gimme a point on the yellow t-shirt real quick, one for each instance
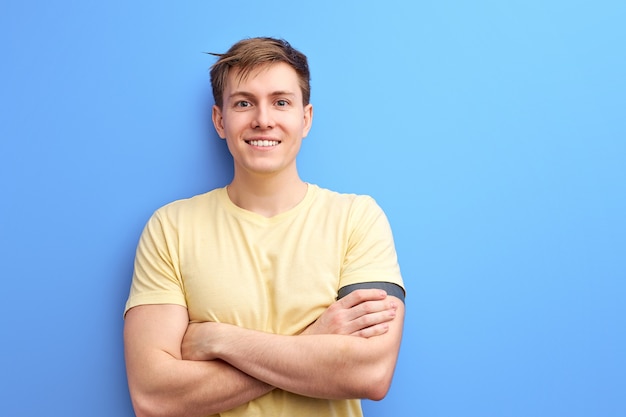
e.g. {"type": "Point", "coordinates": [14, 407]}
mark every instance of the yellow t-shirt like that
{"type": "Point", "coordinates": [277, 275]}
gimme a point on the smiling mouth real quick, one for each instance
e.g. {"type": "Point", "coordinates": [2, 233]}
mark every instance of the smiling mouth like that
{"type": "Point", "coordinates": [263, 143]}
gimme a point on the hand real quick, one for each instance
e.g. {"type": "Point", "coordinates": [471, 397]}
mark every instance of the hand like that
{"type": "Point", "coordinates": [364, 313]}
{"type": "Point", "coordinates": [196, 345]}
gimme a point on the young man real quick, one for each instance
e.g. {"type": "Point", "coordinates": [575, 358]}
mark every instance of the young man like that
{"type": "Point", "coordinates": [271, 296]}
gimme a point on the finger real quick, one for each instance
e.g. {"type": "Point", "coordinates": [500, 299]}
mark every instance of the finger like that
{"type": "Point", "coordinates": [368, 320]}
{"type": "Point", "coordinates": [372, 331]}
{"type": "Point", "coordinates": [363, 295]}
{"type": "Point", "coordinates": [370, 307]}
{"type": "Point", "coordinates": [373, 319]}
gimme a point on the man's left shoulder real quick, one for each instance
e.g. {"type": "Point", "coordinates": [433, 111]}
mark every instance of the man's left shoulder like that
{"type": "Point", "coordinates": [343, 198]}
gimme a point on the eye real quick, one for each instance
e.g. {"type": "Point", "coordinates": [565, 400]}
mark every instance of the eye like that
{"type": "Point", "coordinates": [282, 103]}
{"type": "Point", "coordinates": [242, 104]}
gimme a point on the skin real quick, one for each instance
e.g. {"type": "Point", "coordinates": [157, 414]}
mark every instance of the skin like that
{"type": "Point", "coordinates": [323, 365]}
{"type": "Point", "coordinates": [350, 351]}
{"type": "Point", "coordinates": [267, 105]}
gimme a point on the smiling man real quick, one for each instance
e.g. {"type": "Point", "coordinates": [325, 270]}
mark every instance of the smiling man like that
{"type": "Point", "coordinates": [270, 296]}
{"type": "Point", "coordinates": [264, 119]}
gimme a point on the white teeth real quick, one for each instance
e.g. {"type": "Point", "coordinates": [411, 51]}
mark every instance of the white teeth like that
{"type": "Point", "coordinates": [263, 142]}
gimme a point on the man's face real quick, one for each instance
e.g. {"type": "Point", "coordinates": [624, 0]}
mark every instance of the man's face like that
{"type": "Point", "coordinates": [263, 120]}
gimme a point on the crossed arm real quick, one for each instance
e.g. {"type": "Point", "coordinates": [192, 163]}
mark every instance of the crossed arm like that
{"type": "Point", "coordinates": [177, 369]}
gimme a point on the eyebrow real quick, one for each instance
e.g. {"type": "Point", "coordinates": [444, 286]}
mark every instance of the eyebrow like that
{"type": "Point", "coordinates": [247, 94]}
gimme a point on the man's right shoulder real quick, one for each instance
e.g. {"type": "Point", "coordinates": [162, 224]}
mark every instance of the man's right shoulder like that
{"type": "Point", "coordinates": [185, 207]}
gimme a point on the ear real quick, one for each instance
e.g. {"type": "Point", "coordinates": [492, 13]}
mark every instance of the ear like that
{"type": "Point", "coordinates": [218, 121]}
{"type": "Point", "coordinates": [308, 119]}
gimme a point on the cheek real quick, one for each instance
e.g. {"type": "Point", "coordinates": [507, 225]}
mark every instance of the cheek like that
{"type": "Point", "coordinates": [230, 126]}
{"type": "Point", "coordinates": [296, 126]}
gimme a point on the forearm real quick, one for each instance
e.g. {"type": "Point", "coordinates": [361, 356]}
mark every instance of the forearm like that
{"type": "Point", "coordinates": [163, 384]}
{"type": "Point", "coordinates": [322, 366]}
{"type": "Point", "coordinates": [177, 387]}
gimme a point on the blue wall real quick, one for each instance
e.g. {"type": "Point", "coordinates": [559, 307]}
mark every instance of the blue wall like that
{"type": "Point", "coordinates": [492, 133]}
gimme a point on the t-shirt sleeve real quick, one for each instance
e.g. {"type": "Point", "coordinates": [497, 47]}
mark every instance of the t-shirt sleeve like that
{"type": "Point", "coordinates": [371, 255]}
{"type": "Point", "coordinates": [156, 276]}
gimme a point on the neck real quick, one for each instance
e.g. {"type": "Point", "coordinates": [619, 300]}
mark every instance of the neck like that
{"type": "Point", "coordinates": [267, 196]}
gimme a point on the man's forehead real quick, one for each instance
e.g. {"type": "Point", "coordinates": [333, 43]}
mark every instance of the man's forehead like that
{"type": "Point", "coordinates": [238, 76]}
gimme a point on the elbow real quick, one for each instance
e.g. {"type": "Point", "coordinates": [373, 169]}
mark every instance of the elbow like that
{"type": "Point", "coordinates": [377, 391]}
{"type": "Point", "coordinates": [143, 409]}
{"type": "Point", "coordinates": [378, 394]}
{"type": "Point", "coordinates": [378, 384]}
{"type": "Point", "coordinates": [148, 406]}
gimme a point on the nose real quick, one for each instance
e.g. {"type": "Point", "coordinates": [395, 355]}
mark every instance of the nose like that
{"type": "Point", "coordinates": [262, 118]}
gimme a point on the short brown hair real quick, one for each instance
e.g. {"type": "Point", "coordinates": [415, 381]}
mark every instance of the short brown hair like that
{"type": "Point", "coordinates": [248, 54]}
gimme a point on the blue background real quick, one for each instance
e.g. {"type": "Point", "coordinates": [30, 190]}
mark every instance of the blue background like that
{"type": "Point", "coordinates": [492, 133]}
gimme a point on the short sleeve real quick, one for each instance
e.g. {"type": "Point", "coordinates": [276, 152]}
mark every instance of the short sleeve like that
{"type": "Point", "coordinates": [371, 254]}
{"type": "Point", "coordinates": [156, 276]}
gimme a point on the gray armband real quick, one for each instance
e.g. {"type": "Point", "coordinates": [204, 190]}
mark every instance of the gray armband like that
{"type": "Point", "coordinates": [389, 287]}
